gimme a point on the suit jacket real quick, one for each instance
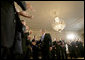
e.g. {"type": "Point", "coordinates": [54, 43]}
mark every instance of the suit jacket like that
{"type": "Point", "coordinates": [8, 21]}
{"type": "Point", "coordinates": [47, 42]}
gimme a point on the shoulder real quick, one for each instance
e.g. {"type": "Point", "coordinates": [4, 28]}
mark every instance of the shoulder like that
{"type": "Point", "coordinates": [47, 33]}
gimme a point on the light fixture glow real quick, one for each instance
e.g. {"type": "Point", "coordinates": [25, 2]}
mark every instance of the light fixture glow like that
{"type": "Point", "coordinates": [71, 36]}
{"type": "Point", "coordinates": [57, 19]}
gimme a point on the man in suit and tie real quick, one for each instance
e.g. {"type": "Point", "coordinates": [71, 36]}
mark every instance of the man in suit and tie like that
{"type": "Point", "coordinates": [46, 44]}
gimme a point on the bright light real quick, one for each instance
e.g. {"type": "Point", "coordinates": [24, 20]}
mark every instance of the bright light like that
{"type": "Point", "coordinates": [58, 24]}
{"type": "Point", "coordinates": [57, 19]}
{"type": "Point", "coordinates": [70, 36]}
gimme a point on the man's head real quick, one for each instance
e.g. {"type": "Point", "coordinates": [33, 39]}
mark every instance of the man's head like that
{"type": "Point", "coordinates": [33, 42]}
{"type": "Point", "coordinates": [42, 31]}
{"type": "Point", "coordinates": [61, 39]}
{"type": "Point", "coordinates": [23, 22]}
{"type": "Point", "coordinates": [29, 38]}
{"type": "Point", "coordinates": [27, 27]}
{"type": "Point", "coordinates": [30, 31]}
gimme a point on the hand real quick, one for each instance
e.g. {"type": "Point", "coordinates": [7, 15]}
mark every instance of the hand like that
{"type": "Point", "coordinates": [29, 6]}
{"type": "Point", "coordinates": [50, 48]}
{"type": "Point", "coordinates": [30, 32]}
{"type": "Point", "coordinates": [24, 13]}
{"type": "Point", "coordinates": [76, 46]}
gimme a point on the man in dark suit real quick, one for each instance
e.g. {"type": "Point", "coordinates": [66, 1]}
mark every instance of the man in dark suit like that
{"type": "Point", "coordinates": [9, 19]}
{"type": "Point", "coordinates": [80, 48]}
{"type": "Point", "coordinates": [46, 45]}
{"type": "Point", "coordinates": [54, 55]}
{"type": "Point", "coordinates": [73, 43]}
{"type": "Point", "coordinates": [25, 40]}
{"type": "Point", "coordinates": [58, 49]}
{"type": "Point", "coordinates": [34, 49]}
{"type": "Point", "coordinates": [63, 50]}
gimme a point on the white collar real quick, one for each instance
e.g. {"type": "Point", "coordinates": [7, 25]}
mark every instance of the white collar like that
{"type": "Point", "coordinates": [43, 34]}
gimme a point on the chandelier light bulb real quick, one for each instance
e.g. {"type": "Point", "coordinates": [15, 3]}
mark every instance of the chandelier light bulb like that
{"type": "Point", "coordinates": [57, 19]}
{"type": "Point", "coordinates": [58, 24]}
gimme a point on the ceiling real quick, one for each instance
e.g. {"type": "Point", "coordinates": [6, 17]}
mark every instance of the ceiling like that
{"type": "Point", "coordinates": [72, 12]}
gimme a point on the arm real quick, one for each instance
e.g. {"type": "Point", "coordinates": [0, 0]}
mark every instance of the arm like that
{"type": "Point", "coordinates": [23, 13]}
{"type": "Point", "coordinates": [22, 4]}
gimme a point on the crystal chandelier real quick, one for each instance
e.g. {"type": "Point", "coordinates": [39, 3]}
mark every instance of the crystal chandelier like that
{"type": "Point", "coordinates": [58, 24]}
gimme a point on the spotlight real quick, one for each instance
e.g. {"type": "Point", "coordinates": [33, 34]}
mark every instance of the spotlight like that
{"type": "Point", "coordinates": [70, 36]}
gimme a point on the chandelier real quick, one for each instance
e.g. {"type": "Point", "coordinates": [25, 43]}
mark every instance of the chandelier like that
{"type": "Point", "coordinates": [58, 24]}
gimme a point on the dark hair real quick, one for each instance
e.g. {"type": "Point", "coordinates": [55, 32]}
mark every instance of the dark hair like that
{"type": "Point", "coordinates": [47, 37]}
{"type": "Point", "coordinates": [33, 40]}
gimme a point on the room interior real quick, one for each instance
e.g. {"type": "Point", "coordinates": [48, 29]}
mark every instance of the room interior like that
{"type": "Point", "coordinates": [45, 12]}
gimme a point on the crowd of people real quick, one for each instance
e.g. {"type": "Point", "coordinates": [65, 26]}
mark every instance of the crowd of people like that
{"type": "Point", "coordinates": [73, 49]}
{"type": "Point", "coordinates": [76, 49]}
{"type": "Point", "coordinates": [44, 48]}
{"type": "Point", "coordinates": [16, 42]}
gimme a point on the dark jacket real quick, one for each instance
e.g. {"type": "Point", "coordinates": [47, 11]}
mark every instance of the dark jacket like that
{"type": "Point", "coordinates": [8, 21]}
{"type": "Point", "coordinates": [46, 44]}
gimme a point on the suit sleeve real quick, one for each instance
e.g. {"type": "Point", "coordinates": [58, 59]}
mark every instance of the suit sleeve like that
{"type": "Point", "coordinates": [50, 42]}
{"type": "Point", "coordinates": [22, 4]}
